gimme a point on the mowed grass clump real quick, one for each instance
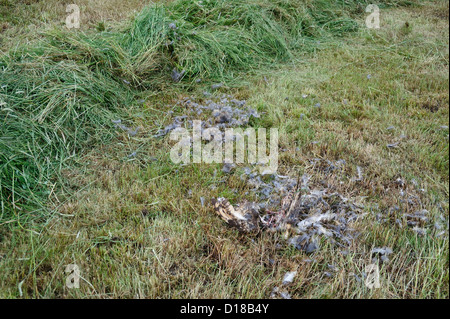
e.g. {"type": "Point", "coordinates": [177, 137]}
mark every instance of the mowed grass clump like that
{"type": "Point", "coordinates": [56, 96]}
{"type": "Point", "coordinates": [49, 110]}
{"type": "Point", "coordinates": [215, 39]}
{"type": "Point", "coordinates": [212, 39]}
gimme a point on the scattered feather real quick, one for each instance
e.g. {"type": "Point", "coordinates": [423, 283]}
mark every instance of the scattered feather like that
{"type": "Point", "coordinates": [419, 231]}
{"type": "Point", "coordinates": [228, 168]}
{"type": "Point", "coordinates": [216, 86]}
{"type": "Point", "coordinates": [177, 76]}
{"type": "Point", "coordinates": [133, 132]}
{"type": "Point", "coordinates": [393, 145]}
{"type": "Point", "coordinates": [382, 253]}
{"type": "Point", "coordinates": [289, 277]}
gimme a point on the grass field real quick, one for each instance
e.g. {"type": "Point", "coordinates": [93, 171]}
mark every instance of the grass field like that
{"type": "Point", "coordinates": [77, 190]}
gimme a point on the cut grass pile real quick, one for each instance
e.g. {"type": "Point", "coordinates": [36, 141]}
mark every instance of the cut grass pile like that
{"type": "Point", "coordinates": [211, 39]}
{"type": "Point", "coordinates": [57, 94]}
{"type": "Point", "coordinates": [50, 110]}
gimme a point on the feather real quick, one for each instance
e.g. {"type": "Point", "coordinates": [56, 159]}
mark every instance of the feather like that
{"type": "Point", "coordinates": [244, 217]}
{"type": "Point", "coordinates": [289, 277]}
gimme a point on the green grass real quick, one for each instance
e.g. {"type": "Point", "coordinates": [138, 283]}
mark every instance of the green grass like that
{"type": "Point", "coordinates": [71, 84]}
{"type": "Point", "coordinates": [50, 111]}
{"type": "Point", "coordinates": [131, 225]}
